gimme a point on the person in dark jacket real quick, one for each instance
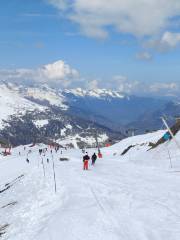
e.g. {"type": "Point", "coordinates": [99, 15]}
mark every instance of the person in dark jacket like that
{"type": "Point", "coordinates": [93, 158]}
{"type": "Point", "coordinates": [86, 160]}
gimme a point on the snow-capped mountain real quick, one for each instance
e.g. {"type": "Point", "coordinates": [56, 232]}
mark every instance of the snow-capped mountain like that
{"type": "Point", "coordinates": [41, 115]}
{"type": "Point", "coordinates": [32, 113]}
{"type": "Point", "coordinates": [96, 93]}
{"type": "Point", "coordinates": [110, 108]}
{"type": "Point", "coordinates": [12, 103]}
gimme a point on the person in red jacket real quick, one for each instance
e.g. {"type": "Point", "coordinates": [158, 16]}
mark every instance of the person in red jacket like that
{"type": "Point", "coordinates": [86, 160]}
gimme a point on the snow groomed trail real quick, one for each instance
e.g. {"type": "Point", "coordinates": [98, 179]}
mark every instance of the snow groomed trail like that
{"type": "Point", "coordinates": [116, 201]}
{"type": "Point", "coordinates": [120, 198]}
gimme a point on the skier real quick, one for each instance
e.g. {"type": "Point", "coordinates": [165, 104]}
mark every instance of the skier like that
{"type": "Point", "coordinates": [47, 160]}
{"type": "Point", "coordinates": [86, 160]}
{"type": "Point", "coordinates": [99, 154]}
{"type": "Point", "coordinates": [27, 160]}
{"type": "Point", "coordinates": [93, 158]}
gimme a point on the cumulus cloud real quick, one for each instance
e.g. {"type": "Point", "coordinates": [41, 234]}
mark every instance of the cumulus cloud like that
{"type": "Point", "coordinates": [57, 73]}
{"type": "Point", "coordinates": [140, 17]}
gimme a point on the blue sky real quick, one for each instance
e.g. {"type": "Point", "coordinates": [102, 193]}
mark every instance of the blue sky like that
{"type": "Point", "coordinates": [101, 47]}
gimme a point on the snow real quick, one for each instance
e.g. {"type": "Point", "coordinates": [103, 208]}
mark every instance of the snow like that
{"type": "Point", "coordinates": [104, 93]}
{"type": "Point", "coordinates": [17, 100]}
{"type": "Point", "coordinates": [63, 132]}
{"type": "Point", "coordinates": [12, 103]}
{"type": "Point", "coordinates": [77, 92]}
{"type": "Point", "coordinates": [41, 123]}
{"type": "Point", "coordinates": [49, 95]}
{"type": "Point", "coordinates": [96, 93]}
{"type": "Point", "coordinates": [90, 140]}
{"type": "Point", "coordinates": [68, 126]}
{"type": "Point", "coordinates": [130, 197]}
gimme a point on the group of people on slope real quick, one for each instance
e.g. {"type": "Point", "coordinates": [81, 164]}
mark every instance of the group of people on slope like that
{"type": "Point", "coordinates": [86, 159]}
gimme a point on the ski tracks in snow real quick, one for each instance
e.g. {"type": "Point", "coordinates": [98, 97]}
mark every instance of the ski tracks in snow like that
{"type": "Point", "coordinates": [139, 204]}
{"type": "Point", "coordinates": [35, 204]}
{"type": "Point", "coordinates": [112, 201]}
{"type": "Point", "coordinates": [115, 202]}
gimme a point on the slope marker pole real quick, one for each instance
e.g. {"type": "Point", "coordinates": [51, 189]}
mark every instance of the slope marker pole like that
{"type": "Point", "coordinates": [54, 174]}
{"type": "Point", "coordinates": [169, 157]}
{"type": "Point", "coordinates": [43, 166]}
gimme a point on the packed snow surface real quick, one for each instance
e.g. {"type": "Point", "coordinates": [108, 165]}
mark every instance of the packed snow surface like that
{"type": "Point", "coordinates": [131, 197]}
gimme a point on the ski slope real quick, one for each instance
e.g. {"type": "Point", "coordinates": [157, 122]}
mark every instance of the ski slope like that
{"type": "Point", "coordinates": [131, 197]}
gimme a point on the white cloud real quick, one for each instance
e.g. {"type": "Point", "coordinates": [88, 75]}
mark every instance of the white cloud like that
{"type": "Point", "coordinates": [93, 84]}
{"type": "Point", "coordinates": [137, 17]}
{"type": "Point", "coordinates": [144, 56]}
{"type": "Point", "coordinates": [171, 39]}
{"type": "Point", "coordinates": [62, 4]}
{"type": "Point", "coordinates": [61, 75]}
{"type": "Point", "coordinates": [157, 87]}
{"type": "Point", "coordinates": [57, 73]}
{"type": "Point", "coordinates": [122, 84]}
{"type": "Point", "coordinates": [167, 41]}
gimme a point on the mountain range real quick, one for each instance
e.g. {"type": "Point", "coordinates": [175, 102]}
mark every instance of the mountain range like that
{"type": "Point", "coordinates": [40, 114]}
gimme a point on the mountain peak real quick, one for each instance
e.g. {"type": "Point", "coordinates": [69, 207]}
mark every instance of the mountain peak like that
{"type": "Point", "coordinates": [97, 93]}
